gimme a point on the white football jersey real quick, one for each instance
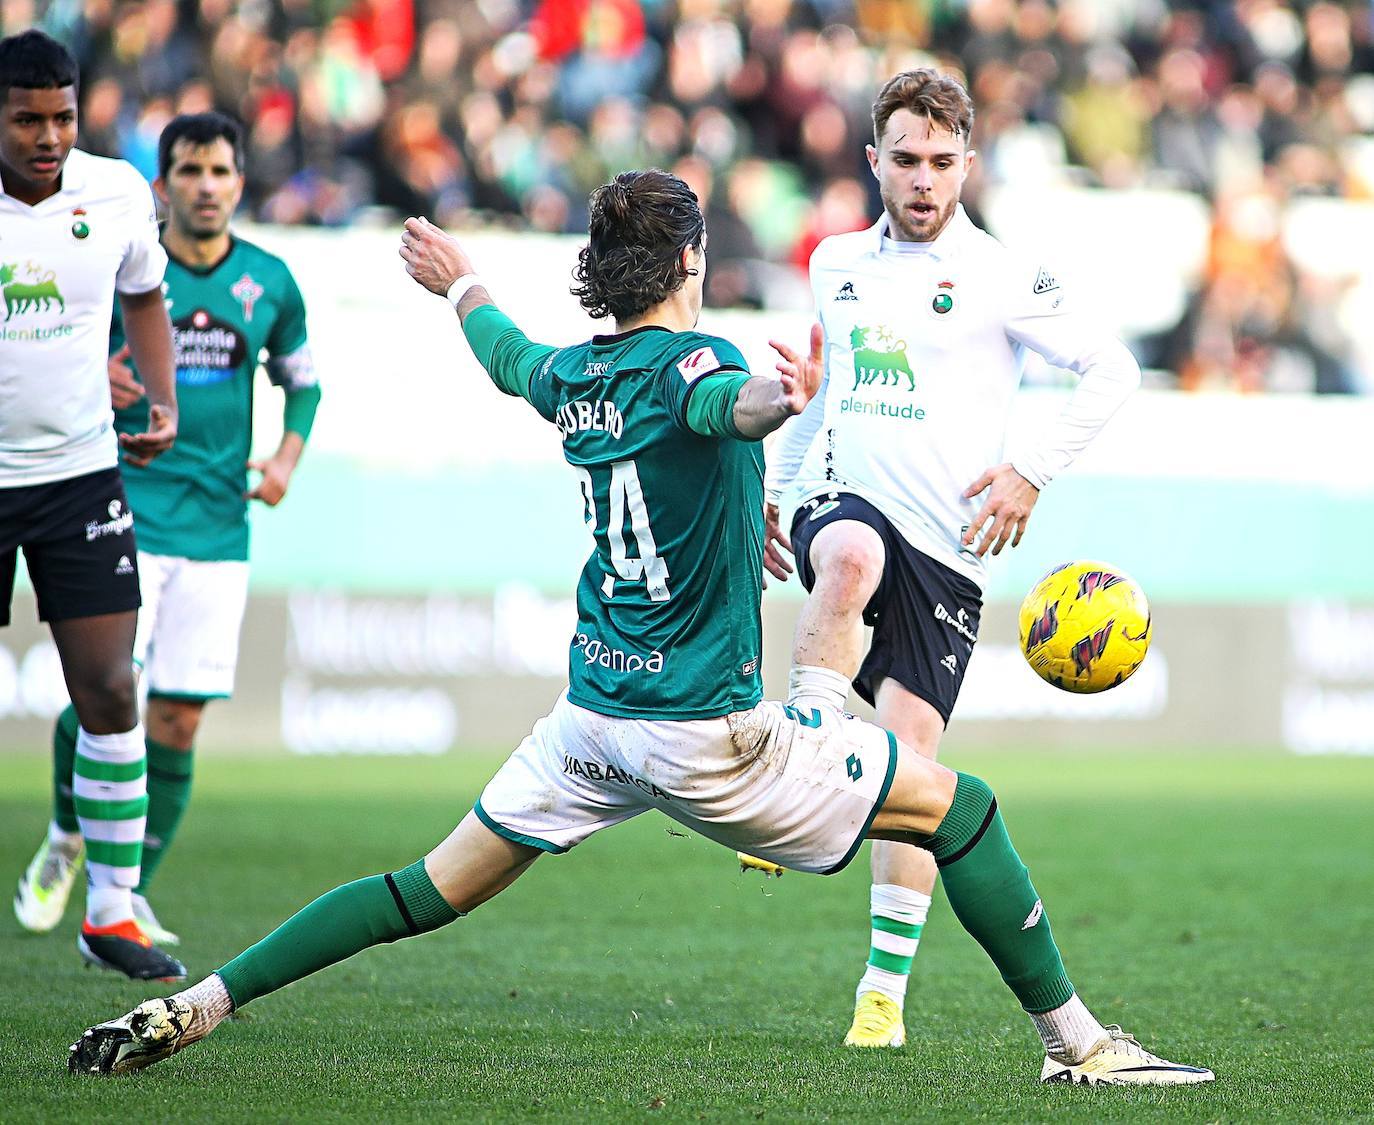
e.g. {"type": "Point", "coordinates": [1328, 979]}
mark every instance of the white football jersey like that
{"type": "Point", "coordinates": [61, 262]}
{"type": "Point", "coordinates": [924, 349]}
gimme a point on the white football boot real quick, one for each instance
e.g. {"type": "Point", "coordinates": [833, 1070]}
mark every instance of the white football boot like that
{"type": "Point", "coordinates": [41, 897]}
{"type": "Point", "coordinates": [1120, 1061]}
{"type": "Point", "coordinates": [148, 923]}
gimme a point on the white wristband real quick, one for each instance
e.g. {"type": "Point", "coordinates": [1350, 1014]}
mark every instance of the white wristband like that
{"type": "Point", "coordinates": [458, 290]}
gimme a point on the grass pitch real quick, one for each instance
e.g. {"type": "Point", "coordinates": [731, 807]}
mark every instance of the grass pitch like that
{"type": "Point", "coordinates": [1218, 907]}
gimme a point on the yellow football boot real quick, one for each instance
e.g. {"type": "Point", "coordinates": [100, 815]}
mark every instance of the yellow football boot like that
{"type": "Point", "coordinates": [877, 1022]}
{"type": "Point", "coordinates": [753, 863]}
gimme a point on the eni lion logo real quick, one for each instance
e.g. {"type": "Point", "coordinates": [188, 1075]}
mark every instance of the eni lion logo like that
{"type": "Point", "coordinates": [36, 294]}
{"type": "Point", "coordinates": [878, 354]}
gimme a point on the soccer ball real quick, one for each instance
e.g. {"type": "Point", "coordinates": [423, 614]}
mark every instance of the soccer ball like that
{"type": "Point", "coordinates": [1085, 627]}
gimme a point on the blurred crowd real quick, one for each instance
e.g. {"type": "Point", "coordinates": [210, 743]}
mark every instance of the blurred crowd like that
{"type": "Point", "coordinates": [510, 111]}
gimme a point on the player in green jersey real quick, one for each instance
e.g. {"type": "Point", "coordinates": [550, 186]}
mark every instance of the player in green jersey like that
{"type": "Point", "coordinates": [661, 426]}
{"type": "Point", "coordinates": [229, 302]}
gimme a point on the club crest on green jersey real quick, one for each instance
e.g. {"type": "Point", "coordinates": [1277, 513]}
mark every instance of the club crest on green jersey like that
{"type": "Point", "coordinates": [246, 292]}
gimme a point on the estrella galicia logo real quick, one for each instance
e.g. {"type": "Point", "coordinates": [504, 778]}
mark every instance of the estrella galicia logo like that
{"type": "Point", "coordinates": [846, 292]}
{"type": "Point", "coordinates": [879, 354]}
{"type": "Point", "coordinates": [1094, 580]}
{"type": "Point", "coordinates": [208, 350]}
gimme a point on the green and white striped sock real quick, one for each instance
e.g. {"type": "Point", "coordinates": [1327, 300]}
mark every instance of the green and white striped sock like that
{"type": "Point", "coordinates": [110, 785]}
{"type": "Point", "coordinates": [898, 915]}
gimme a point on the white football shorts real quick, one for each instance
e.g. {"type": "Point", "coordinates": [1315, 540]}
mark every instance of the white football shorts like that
{"type": "Point", "coordinates": [187, 642]}
{"type": "Point", "coordinates": [797, 788]}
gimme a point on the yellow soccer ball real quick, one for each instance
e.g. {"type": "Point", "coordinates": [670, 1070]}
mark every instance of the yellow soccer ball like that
{"type": "Point", "coordinates": [1085, 627]}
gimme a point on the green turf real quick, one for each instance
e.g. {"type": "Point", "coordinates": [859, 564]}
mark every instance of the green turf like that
{"type": "Point", "coordinates": [1219, 907]}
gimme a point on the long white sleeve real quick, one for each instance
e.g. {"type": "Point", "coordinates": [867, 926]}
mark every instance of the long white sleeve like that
{"type": "Point", "coordinates": [1109, 371]}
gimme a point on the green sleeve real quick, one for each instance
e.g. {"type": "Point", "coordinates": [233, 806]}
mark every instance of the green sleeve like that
{"type": "Point", "coordinates": [711, 404]}
{"type": "Point", "coordinates": [299, 415]}
{"type": "Point", "coordinates": [288, 329]}
{"type": "Point", "coordinates": [510, 357]}
{"type": "Point", "coordinates": [289, 362]}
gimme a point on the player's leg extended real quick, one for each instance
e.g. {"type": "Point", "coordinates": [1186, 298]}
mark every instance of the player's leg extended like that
{"type": "Point", "coordinates": [844, 563]}
{"type": "Point", "coordinates": [110, 789]}
{"type": "Point", "coordinates": [846, 558]}
{"type": "Point", "coordinates": [899, 899]}
{"type": "Point", "coordinates": [472, 865]}
{"type": "Point", "coordinates": [955, 817]}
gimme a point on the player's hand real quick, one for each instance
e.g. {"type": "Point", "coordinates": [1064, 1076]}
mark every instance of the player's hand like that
{"type": "Point", "coordinates": [140, 449]}
{"type": "Point", "coordinates": [775, 542]}
{"type": "Point", "coordinates": [801, 375]}
{"type": "Point", "coordinates": [433, 257]}
{"type": "Point", "coordinates": [125, 390]}
{"type": "Point", "coordinates": [1008, 505]}
{"type": "Point", "coordinates": [276, 477]}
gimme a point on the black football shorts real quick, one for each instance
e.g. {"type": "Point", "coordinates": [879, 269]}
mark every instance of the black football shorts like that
{"type": "Point", "coordinates": [77, 536]}
{"type": "Point", "coordinates": [924, 615]}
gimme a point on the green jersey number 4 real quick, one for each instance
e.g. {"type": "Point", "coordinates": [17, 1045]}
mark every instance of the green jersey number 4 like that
{"type": "Point", "coordinates": [625, 492]}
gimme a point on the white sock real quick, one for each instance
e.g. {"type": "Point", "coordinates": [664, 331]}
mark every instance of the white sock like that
{"type": "Point", "coordinates": [210, 1004]}
{"type": "Point", "coordinates": [110, 786]}
{"type": "Point", "coordinates": [1069, 1031]}
{"type": "Point", "coordinates": [893, 908]}
{"type": "Point", "coordinates": [809, 685]}
{"type": "Point", "coordinates": [64, 841]}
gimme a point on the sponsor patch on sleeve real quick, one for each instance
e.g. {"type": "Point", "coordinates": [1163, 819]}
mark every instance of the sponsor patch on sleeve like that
{"type": "Point", "coordinates": [700, 362]}
{"type": "Point", "coordinates": [1044, 282]}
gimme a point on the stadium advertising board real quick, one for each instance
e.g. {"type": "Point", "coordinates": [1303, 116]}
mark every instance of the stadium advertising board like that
{"type": "Point", "coordinates": [335, 672]}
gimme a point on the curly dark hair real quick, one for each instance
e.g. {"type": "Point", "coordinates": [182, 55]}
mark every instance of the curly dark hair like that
{"type": "Point", "coordinates": [640, 224]}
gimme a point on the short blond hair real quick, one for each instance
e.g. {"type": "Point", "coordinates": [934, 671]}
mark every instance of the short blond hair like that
{"type": "Point", "coordinates": [926, 93]}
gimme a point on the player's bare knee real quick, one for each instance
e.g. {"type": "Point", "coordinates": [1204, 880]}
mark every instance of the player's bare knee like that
{"type": "Point", "coordinates": [106, 703]}
{"type": "Point", "coordinates": [848, 565]}
{"type": "Point", "coordinates": [921, 794]}
{"type": "Point", "coordinates": [174, 722]}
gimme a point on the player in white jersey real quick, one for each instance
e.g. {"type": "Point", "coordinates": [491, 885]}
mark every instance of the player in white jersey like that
{"type": "Point", "coordinates": [896, 468]}
{"type": "Point", "coordinates": [76, 229]}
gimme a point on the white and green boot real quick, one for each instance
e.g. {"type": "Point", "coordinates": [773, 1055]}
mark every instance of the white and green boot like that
{"type": "Point", "coordinates": [41, 897]}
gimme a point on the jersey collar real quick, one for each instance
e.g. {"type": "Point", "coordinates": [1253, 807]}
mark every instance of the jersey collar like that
{"type": "Point", "coordinates": [604, 340]}
{"type": "Point", "coordinates": [204, 271]}
{"type": "Point", "coordinates": [944, 245]}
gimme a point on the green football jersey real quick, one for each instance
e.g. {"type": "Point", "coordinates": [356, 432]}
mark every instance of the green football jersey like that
{"type": "Point", "coordinates": [668, 603]}
{"type": "Point", "coordinates": [189, 501]}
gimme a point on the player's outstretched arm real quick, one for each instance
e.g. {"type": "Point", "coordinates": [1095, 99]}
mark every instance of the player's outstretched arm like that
{"type": "Point", "coordinates": [765, 404]}
{"type": "Point", "coordinates": [149, 333]}
{"type": "Point", "coordinates": [436, 260]}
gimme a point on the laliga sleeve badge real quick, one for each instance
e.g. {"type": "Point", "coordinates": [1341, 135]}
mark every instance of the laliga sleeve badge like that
{"type": "Point", "coordinates": [943, 301]}
{"type": "Point", "coordinates": [80, 228]}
